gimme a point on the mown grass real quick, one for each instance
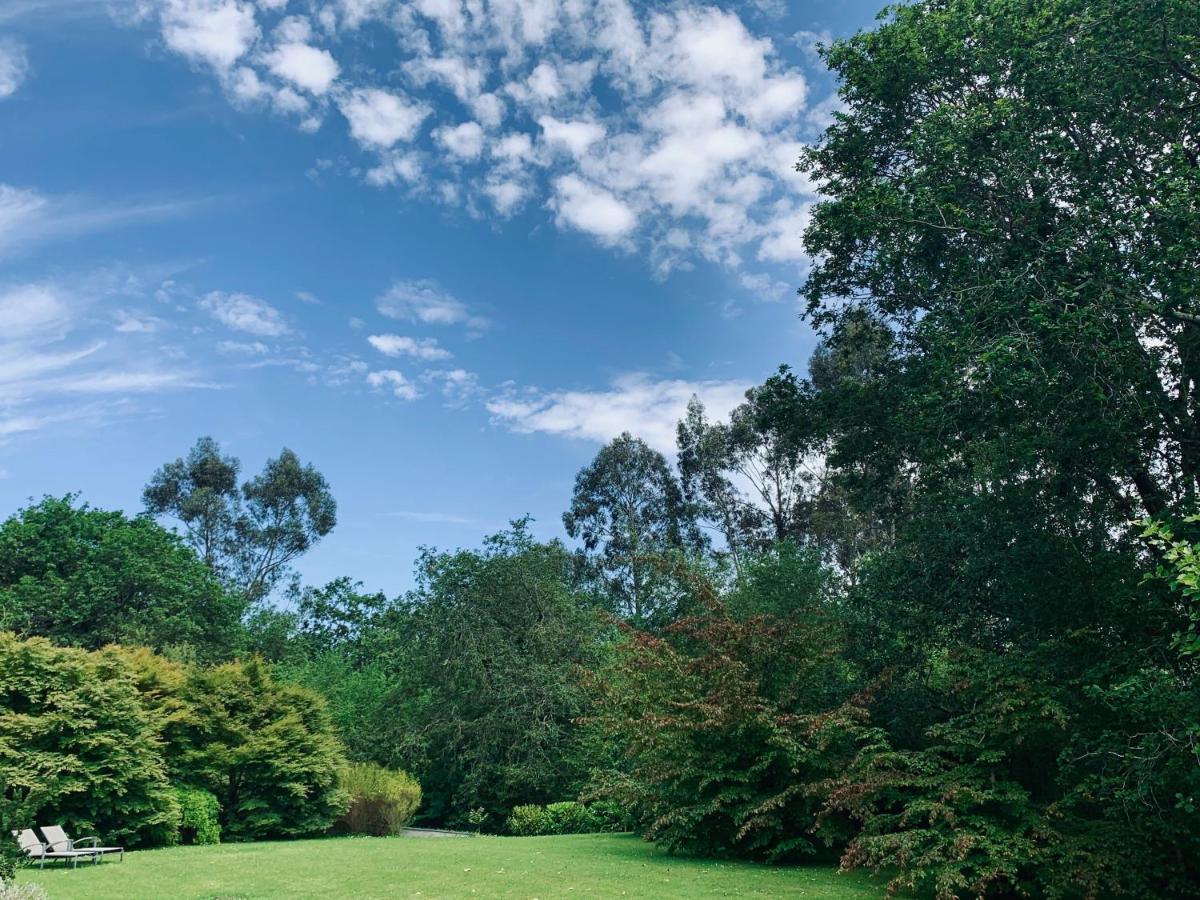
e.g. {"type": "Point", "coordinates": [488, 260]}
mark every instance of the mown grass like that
{"type": "Point", "coordinates": [361, 868]}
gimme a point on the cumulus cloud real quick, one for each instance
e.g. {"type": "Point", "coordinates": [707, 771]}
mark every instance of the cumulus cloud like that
{"type": "Point", "coordinates": [637, 403]}
{"type": "Point", "coordinates": [669, 128]}
{"type": "Point", "coordinates": [310, 68]}
{"type": "Point", "coordinates": [592, 209]}
{"type": "Point", "coordinates": [14, 66]}
{"type": "Point", "coordinates": [378, 119]}
{"type": "Point", "coordinates": [464, 141]}
{"type": "Point", "coordinates": [391, 380]}
{"type": "Point", "coordinates": [217, 32]}
{"type": "Point", "coordinates": [241, 312]}
{"type": "Point", "coordinates": [399, 345]}
{"type": "Point", "coordinates": [425, 301]}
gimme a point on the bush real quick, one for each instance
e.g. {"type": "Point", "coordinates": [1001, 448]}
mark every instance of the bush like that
{"type": "Point", "coordinates": [199, 817]}
{"type": "Point", "coordinates": [732, 730]}
{"type": "Point", "coordinates": [382, 801]}
{"type": "Point", "coordinates": [22, 892]}
{"type": "Point", "coordinates": [77, 747]}
{"type": "Point", "coordinates": [267, 751]}
{"type": "Point", "coordinates": [527, 820]}
{"type": "Point", "coordinates": [567, 817]}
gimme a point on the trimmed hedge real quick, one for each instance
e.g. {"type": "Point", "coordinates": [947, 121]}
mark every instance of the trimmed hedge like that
{"type": "Point", "coordinates": [567, 817]}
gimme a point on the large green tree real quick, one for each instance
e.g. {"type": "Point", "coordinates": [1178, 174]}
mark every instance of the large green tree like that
{"type": "Point", "coordinates": [249, 535]}
{"type": "Point", "coordinates": [496, 638]}
{"type": "Point", "coordinates": [90, 577]}
{"type": "Point", "coordinates": [630, 513]}
{"type": "Point", "coordinates": [1012, 191]}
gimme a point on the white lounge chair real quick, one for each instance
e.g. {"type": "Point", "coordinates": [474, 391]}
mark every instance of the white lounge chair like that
{"type": "Point", "coordinates": [35, 849]}
{"type": "Point", "coordinates": [57, 840]}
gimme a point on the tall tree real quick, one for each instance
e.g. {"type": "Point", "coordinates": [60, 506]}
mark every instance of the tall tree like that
{"type": "Point", "coordinates": [1021, 205]}
{"type": "Point", "coordinates": [628, 509]}
{"type": "Point", "coordinates": [496, 639]}
{"type": "Point", "coordinates": [248, 536]}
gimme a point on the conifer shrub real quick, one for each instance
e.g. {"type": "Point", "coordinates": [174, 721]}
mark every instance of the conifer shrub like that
{"type": "Point", "coordinates": [382, 801]}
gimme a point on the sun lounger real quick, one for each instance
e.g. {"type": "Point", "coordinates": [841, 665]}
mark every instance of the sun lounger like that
{"type": "Point", "coordinates": [35, 849]}
{"type": "Point", "coordinates": [57, 840]}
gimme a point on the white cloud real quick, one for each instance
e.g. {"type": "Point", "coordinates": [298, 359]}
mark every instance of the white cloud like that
{"type": "Point", "coordinates": [635, 403]}
{"type": "Point", "coordinates": [506, 195]}
{"type": "Point", "coordinates": [427, 302]}
{"type": "Point", "coordinates": [133, 322]}
{"type": "Point", "coordinates": [379, 119]}
{"type": "Point", "coordinates": [575, 136]}
{"type": "Point", "coordinates": [465, 141]}
{"type": "Point", "coordinates": [395, 382]}
{"type": "Point", "coordinates": [310, 68]}
{"type": "Point", "coordinates": [399, 345]}
{"type": "Point", "coordinates": [458, 385]}
{"type": "Point", "coordinates": [218, 32]}
{"type": "Point", "coordinates": [57, 342]}
{"type": "Point", "coordinates": [28, 217]}
{"type": "Point", "coordinates": [681, 155]}
{"type": "Point", "coordinates": [785, 239]}
{"type": "Point", "coordinates": [245, 348]}
{"type": "Point", "coordinates": [31, 309]}
{"type": "Point", "coordinates": [592, 209]}
{"type": "Point", "coordinates": [14, 66]}
{"type": "Point", "coordinates": [241, 312]}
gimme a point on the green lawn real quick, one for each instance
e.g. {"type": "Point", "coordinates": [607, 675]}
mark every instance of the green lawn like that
{"type": "Point", "coordinates": [360, 868]}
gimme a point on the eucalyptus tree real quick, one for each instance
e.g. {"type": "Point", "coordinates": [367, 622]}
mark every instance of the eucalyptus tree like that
{"type": "Point", "coordinates": [248, 535]}
{"type": "Point", "coordinates": [630, 513]}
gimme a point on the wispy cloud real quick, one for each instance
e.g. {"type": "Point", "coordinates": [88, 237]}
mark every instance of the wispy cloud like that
{"type": "Point", "coordinates": [637, 403]}
{"type": "Point", "coordinates": [14, 66]}
{"type": "Point", "coordinates": [28, 217]}
{"type": "Point", "coordinates": [433, 518]}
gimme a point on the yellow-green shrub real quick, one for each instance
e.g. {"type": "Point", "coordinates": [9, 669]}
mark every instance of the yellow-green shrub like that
{"type": "Point", "coordinates": [382, 801]}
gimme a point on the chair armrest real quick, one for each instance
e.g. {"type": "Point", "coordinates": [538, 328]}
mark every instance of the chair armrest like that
{"type": "Point", "coordinates": [75, 843]}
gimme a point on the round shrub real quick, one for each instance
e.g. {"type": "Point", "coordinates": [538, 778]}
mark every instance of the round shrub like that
{"type": "Point", "coordinates": [528, 820]}
{"type": "Point", "coordinates": [382, 801]}
{"type": "Point", "coordinates": [570, 817]}
{"type": "Point", "coordinates": [199, 816]}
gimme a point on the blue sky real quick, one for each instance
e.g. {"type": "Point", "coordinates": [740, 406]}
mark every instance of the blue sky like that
{"type": "Point", "coordinates": [441, 249]}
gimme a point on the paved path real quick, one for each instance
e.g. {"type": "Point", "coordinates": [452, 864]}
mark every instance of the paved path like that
{"type": "Point", "coordinates": [433, 833]}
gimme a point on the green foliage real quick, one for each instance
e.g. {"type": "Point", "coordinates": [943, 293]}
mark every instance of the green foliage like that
{"type": "Point", "coordinates": [90, 577]}
{"type": "Point", "coordinates": [732, 729]}
{"type": "Point", "coordinates": [1179, 567]}
{"type": "Point", "coordinates": [565, 817]}
{"type": "Point", "coordinates": [267, 750]}
{"type": "Point", "coordinates": [199, 817]}
{"type": "Point", "coordinates": [249, 536]}
{"type": "Point", "coordinates": [382, 801]}
{"type": "Point", "coordinates": [628, 509]}
{"type": "Point", "coordinates": [493, 642]}
{"type": "Point", "coordinates": [77, 747]}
